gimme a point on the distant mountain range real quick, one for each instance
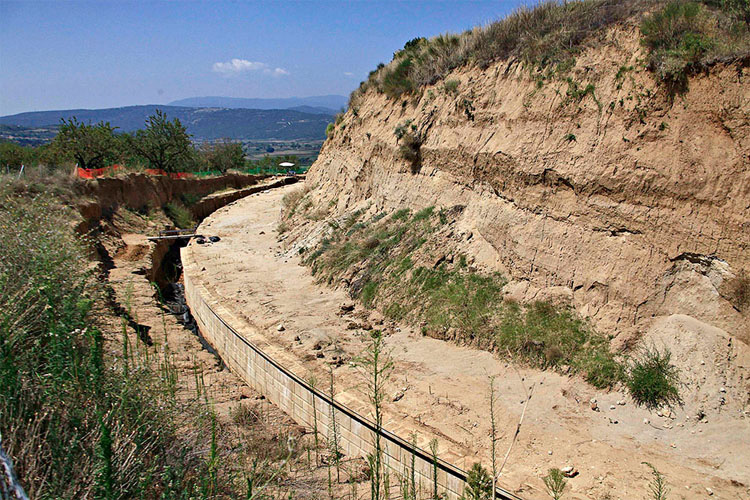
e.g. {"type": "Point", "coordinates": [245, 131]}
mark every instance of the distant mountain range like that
{"type": "Point", "coordinates": [204, 123]}
{"type": "Point", "coordinates": [330, 104]}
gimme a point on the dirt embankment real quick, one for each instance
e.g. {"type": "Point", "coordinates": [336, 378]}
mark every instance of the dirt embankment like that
{"type": "Point", "coordinates": [632, 205]}
{"type": "Point", "coordinates": [102, 197]}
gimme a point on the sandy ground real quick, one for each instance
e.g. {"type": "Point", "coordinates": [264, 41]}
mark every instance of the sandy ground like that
{"type": "Point", "coordinates": [446, 387]}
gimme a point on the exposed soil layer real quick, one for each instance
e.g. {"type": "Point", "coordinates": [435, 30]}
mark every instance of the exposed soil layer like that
{"type": "Point", "coordinates": [441, 390]}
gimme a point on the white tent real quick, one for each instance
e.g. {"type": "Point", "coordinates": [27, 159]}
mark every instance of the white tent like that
{"type": "Point", "coordinates": [286, 164]}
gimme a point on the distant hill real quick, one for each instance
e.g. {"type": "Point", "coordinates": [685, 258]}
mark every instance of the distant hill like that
{"type": "Point", "coordinates": [27, 136]}
{"type": "Point", "coordinates": [316, 110]}
{"type": "Point", "coordinates": [202, 123]}
{"type": "Point", "coordinates": [331, 103]}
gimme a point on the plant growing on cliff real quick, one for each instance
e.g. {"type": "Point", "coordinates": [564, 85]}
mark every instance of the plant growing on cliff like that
{"type": "Point", "coordinates": [653, 380]}
{"type": "Point", "coordinates": [451, 86]}
{"type": "Point", "coordinates": [684, 36]}
{"type": "Point", "coordinates": [410, 150]}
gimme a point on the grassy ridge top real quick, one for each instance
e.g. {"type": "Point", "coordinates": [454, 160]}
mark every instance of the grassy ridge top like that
{"type": "Point", "coordinates": [681, 36]}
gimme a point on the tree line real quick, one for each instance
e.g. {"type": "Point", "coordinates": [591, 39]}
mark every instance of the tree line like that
{"type": "Point", "coordinates": [163, 144]}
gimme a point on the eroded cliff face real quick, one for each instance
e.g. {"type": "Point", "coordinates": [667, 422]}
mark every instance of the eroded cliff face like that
{"type": "Point", "coordinates": [596, 186]}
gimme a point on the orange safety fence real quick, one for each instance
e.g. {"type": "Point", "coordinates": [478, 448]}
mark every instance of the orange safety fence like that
{"type": "Point", "coordinates": [173, 175]}
{"type": "Point", "coordinates": [93, 173]}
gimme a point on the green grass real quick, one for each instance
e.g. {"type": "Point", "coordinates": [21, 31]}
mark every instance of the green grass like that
{"type": "Point", "coordinates": [653, 380]}
{"type": "Point", "coordinates": [179, 215]}
{"type": "Point", "coordinates": [548, 34]}
{"type": "Point", "coordinates": [68, 418]}
{"type": "Point", "coordinates": [684, 36]}
{"type": "Point", "coordinates": [452, 301]}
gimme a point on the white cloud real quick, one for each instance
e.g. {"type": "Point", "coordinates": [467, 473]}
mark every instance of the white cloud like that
{"type": "Point", "coordinates": [237, 66]}
{"type": "Point", "coordinates": [348, 73]}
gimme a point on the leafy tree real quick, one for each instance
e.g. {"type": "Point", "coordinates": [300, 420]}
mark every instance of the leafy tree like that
{"type": "Point", "coordinates": [12, 155]}
{"type": "Point", "coordinates": [91, 146]}
{"type": "Point", "coordinates": [224, 155]}
{"type": "Point", "coordinates": [164, 144]}
{"type": "Point", "coordinates": [52, 156]}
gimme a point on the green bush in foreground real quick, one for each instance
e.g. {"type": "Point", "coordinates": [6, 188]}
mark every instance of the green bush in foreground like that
{"type": "Point", "coordinates": [652, 379]}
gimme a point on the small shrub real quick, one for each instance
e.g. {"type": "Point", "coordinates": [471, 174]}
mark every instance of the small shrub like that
{"type": "Point", "coordinates": [652, 379]}
{"type": "Point", "coordinates": [179, 215]}
{"type": "Point", "coordinates": [658, 485]}
{"type": "Point", "coordinates": [570, 137]}
{"type": "Point", "coordinates": [189, 199]}
{"type": "Point", "coordinates": [738, 291]}
{"type": "Point", "coordinates": [451, 86]}
{"type": "Point", "coordinates": [402, 128]}
{"type": "Point", "coordinates": [555, 483]}
{"type": "Point", "coordinates": [330, 129]}
{"type": "Point", "coordinates": [410, 150]}
{"type": "Point", "coordinates": [478, 483]}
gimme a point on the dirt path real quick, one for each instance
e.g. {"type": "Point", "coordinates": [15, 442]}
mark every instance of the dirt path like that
{"type": "Point", "coordinates": [444, 388]}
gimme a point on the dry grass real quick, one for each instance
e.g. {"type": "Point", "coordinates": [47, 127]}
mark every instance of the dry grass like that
{"type": "Point", "coordinates": [549, 33]}
{"type": "Point", "coordinates": [291, 200]}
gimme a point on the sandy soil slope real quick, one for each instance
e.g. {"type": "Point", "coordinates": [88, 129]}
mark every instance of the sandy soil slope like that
{"type": "Point", "coordinates": [446, 387]}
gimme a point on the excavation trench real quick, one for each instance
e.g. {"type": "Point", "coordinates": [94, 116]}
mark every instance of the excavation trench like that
{"type": "Point", "coordinates": [168, 277]}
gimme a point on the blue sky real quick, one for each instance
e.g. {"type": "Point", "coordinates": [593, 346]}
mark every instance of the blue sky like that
{"type": "Point", "coordinates": [75, 54]}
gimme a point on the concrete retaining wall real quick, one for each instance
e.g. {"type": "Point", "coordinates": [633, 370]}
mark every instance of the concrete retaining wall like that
{"type": "Point", "coordinates": [304, 403]}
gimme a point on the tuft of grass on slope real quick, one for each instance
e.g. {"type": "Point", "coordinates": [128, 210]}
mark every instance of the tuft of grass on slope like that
{"type": "Point", "coordinates": [685, 36]}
